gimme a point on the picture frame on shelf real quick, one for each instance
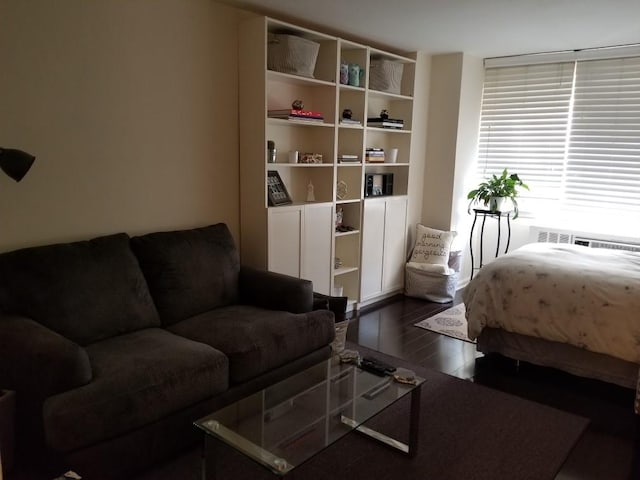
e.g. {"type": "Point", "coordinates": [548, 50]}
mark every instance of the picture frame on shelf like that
{"type": "Point", "coordinates": [276, 190]}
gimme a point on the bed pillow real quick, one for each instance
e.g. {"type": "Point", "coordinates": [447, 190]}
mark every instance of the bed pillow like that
{"type": "Point", "coordinates": [432, 246]}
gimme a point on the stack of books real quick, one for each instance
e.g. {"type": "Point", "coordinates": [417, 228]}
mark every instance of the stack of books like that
{"type": "Point", "coordinates": [347, 158]}
{"type": "Point", "coordinates": [350, 121]}
{"type": "Point", "coordinates": [296, 114]}
{"type": "Point", "coordinates": [374, 155]}
{"type": "Point", "coordinates": [385, 122]}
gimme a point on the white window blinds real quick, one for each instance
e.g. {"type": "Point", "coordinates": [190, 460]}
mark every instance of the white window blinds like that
{"type": "Point", "coordinates": [571, 130]}
{"type": "Point", "coordinates": [523, 126]}
{"type": "Point", "coordinates": [603, 164]}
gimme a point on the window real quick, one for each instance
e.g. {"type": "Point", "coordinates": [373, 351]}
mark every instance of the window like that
{"type": "Point", "coordinates": [570, 129]}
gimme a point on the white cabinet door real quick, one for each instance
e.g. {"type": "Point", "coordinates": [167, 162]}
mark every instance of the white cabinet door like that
{"type": "Point", "coordinates": [316, 246]}
{"type": "Point", "coordinates": [372, 248]}
{"type": "Point", "coordinates": [395, 243]}
{"type": "Point", "coordinates": [285, 240]}
{"type": "Point", "coordinates": [383, 246]}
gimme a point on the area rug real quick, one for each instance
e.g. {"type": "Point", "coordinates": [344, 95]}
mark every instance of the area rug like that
{"type": "Point", "coordinates": [467, 431]}
{"type": "Point", "coordinates": [450, 322]}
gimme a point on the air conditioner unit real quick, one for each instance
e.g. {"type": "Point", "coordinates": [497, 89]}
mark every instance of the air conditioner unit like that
{"type": "Point", "coordinates": [594, 243]}
{"type": "Point", "coordinates": [544, 235]}
{"type": "Point", "coordinates": [547, 235]}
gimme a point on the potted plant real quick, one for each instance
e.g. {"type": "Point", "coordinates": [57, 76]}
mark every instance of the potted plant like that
{"type": "Point", "coordinates": [494, 192]}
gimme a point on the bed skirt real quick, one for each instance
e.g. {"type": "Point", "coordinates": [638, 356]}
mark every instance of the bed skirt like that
{"type": "Point", "coordinates": [564, 357]}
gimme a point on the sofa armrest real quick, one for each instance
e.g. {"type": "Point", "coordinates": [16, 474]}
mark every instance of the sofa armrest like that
{"type": "Point", "coordinates": [38, 361]}
{"type": "Point", "coordinates": [275, 291]}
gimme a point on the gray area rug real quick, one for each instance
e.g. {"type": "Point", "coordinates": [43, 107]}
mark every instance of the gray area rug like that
{"type": "Point", "coordinates": [467, 431]}
{"type": "Point", "coordinates": [450, 322]}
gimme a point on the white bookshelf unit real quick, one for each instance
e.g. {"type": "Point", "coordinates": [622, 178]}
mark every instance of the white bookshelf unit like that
{"type": "Point", "coordinates": [301, 238]}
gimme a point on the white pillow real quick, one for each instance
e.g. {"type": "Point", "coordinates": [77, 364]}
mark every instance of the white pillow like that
{"type": "Point", "coordinates": [432, 246]}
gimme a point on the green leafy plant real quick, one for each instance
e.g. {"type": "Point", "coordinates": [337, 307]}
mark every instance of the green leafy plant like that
{"type": "Point", "coordinates": [504, 185]}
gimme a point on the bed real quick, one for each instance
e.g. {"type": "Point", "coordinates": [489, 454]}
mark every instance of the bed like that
{"type": "Point", "coordinates": [563, 306]}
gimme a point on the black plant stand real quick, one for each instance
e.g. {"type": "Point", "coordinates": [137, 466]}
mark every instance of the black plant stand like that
{"type": "Point", "coordinates": [484, 214]}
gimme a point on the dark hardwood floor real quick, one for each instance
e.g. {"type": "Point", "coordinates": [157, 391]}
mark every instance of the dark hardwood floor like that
{"type": "Point", "coordinates": [609, 448]}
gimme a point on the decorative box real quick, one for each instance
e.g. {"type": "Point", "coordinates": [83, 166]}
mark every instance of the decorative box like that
{"type": "Point", "coordinates": [310, 158]}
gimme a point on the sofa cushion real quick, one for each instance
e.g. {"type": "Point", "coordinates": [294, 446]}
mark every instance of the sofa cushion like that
{"type": "Point", "coordinates": [85, 291]}
{"type": "Point", "coordinates": [138, 378]}
{"type": "Point", "coordinates": [189, 271]}
{"type": "Point", "coordinates": [257, 340]}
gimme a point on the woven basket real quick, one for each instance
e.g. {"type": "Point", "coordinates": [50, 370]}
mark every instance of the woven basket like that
{"type": "Point", "coordinates": [340, 341]}
{"type": "Point", "coordinates": [385, 75]}
{"type": "Point", "coordinates": [292, 54]}
{"type": "Point", "coordinates": [432, 286]}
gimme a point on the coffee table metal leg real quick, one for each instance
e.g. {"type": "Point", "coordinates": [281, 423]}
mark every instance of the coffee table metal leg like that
{"type": "Point", "coordinates": [414, 426]}
{"type": "Point", "coordinates": [208, 466]}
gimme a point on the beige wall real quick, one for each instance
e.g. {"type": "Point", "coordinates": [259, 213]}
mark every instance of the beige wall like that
{"type": "Point", "coordinates": [131, 110]}
{"type": "Point", "coordinates": [444, 103]}
{"type": "Point", "coordinates": [454, 107]}
{"type": "Point", "coordinates": [419, 129]}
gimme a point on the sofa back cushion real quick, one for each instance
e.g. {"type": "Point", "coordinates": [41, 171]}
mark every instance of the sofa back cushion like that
{"type": "Point", "coordinates": [189, 271]}
{"type": "Point", "coordinates": [85, 291]}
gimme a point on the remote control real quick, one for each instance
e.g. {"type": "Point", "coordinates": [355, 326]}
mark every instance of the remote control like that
{"type": "Point", "coordinates": [373, 368]}
{"type": "Point", "coordinates": [380, 364]}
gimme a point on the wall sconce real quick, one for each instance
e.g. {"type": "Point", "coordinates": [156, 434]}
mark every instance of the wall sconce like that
{"type": "Point", "coordinates": [15, 163]}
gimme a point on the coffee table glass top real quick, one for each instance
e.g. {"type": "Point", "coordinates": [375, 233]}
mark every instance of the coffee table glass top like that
{"type": "Point", "coordinates": [287, 423]}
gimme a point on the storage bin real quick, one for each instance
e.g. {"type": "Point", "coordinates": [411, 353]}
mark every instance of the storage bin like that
{"type": "Point", "coordinates": [340, 341]}
{"type": "Point", "coordinates": [385, 75]}
{"type": "Point", "coordinates": [436, 287]}
{"type": "Point", "coordinates": [292, 54]}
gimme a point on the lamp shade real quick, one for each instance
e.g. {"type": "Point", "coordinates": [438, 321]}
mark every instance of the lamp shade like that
{"type": "Point", "coordinates": [15, 163]}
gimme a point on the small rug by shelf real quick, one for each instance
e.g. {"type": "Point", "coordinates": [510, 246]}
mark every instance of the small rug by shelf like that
{"type": "Point", "coordinates": [450, 322]}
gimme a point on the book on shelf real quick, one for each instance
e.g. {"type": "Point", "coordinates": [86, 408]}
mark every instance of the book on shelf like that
{"type": "Point", "coordinates": [298, 119]}
{"type": "Point", "coordinates": [374, 155]}
{"type": "Point", "coordinates": [349, 121]}
{"type": "Point", "coordinates": [346, 158]}
{"type": "Point", "coordinates": [295, 114]}
{"type": "Point", "coordinates": [374, 151]}
{"type": "Point", "coordinates": [385, 122]}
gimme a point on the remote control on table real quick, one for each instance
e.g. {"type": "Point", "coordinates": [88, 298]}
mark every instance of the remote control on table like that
{"type": "Point", "coordinates": [376, 366]}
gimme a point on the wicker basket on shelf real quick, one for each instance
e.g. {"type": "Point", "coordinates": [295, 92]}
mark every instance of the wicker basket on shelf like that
{"type": "Point", "coordinates": [292, 54]}
{"type": "Point", "coordinates": [385, 75]}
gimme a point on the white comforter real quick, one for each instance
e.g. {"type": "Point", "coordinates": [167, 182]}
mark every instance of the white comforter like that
{"type": "Point", "coordinates": [587, 297]}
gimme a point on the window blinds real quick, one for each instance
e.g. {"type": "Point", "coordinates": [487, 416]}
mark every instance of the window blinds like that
{"type": "Point", "coordinates": [523, 126]}
{"type": "Point", "coordinates": [603, 164]}
{"type": "Point", "coordinates": [571, 130]}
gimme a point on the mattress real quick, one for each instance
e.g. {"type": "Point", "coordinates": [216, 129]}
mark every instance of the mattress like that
{"type": "Point", "coordinates": [585, 297]}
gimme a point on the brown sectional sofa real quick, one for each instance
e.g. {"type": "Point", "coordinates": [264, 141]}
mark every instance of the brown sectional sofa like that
{"type": "Point", "coordinates": [115, 345]}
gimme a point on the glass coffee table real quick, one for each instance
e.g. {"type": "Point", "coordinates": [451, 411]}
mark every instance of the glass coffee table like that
{"type": "Point", "coordinates": [289, 422]}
